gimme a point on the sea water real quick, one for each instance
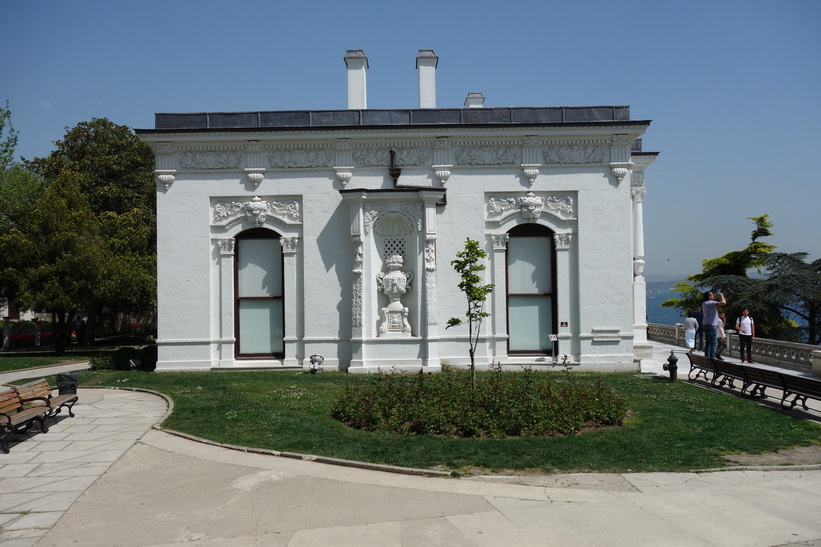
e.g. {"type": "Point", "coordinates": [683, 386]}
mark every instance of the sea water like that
{"type": "Point", "coordinates": [658, 292]}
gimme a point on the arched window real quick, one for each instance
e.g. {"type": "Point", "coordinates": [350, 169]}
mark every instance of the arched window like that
{"type": "Point", "coordinates": [531, 308]}
{"type": "Point", "coordinates": [259, 295]}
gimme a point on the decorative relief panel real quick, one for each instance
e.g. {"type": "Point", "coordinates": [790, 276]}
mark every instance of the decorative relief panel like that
{"type": "Point", "coordinates": [575, 154]}
{"type": "Point", "coordinates": [416, 210]}
{"type": "Point", "coordinates": [530, 206]}
{"type": "Point", "coordinates": [371, 212]}
{"type": "Point", "coordinates": [356, 304]}
{"type": "Point", "coordinates": [295, 159]}
{"type": "Point", "coordinates": [211, 160]}
{"type": "Point", "coordinates": [404, 158]}
{"type": "Point", "coordinates": [256, 211]}
{"type": "Point", "coordinates": [487, 155]}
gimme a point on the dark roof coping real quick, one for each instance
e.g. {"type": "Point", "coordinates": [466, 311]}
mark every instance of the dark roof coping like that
{"type": "Point", "coordinates": [307, 119]}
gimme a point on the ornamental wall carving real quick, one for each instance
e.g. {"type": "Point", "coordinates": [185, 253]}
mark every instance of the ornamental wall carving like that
{"type": "Point", "coordinates": [256, 211]}
{"type": "Point", "coordinates": [211, 160]}
{"type": "Point", "coordinates": [575, 154]}
{"type": "Point", "coordinates": [404, 158]}
{"type": "Point", "coordinates": [530, 206]}
{"type": "Point", "coordinates": [487, 155]}
{"type": "Point", "coordinates": [300, 159]}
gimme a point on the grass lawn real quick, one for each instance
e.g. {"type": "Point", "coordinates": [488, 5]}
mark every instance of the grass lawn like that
{"type": "Point", "coordinates": [24, 360]}
{"type": "Point", "coordinates": [671, 427]}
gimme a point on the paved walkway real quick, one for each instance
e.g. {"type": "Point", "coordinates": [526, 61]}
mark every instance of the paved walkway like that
{"type": "Point", "coordinates": [107, 478]}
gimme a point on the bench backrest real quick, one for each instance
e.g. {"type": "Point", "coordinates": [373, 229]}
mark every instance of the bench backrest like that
{"type": "Point", "coordinates": [699, 361]}
{"type": "Point", "coordinates": [9, 401]}
{"type": "Point", "coordinates": [802, 384]}
{"type": "Point", "coordinates": [733, 370]}
{"type": "Point", "coordinates": [763, 375]}
{"type": "Point", "coordinates": [36, 388]}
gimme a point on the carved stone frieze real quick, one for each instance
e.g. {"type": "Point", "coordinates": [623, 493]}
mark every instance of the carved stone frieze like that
{"type": "Point", "coordinates": [487, 155]}
{"type": "Point", "coordinates": [575, 154]}
{"type": "Point", "coordinates": [210, 160]}
{"type": "Point", "coordinates": [530, 206]}
{"type": "Point", "coordinates": [256, 210]}
{"type": "Point", "coordinates": [299, 159]}
{"type": "Point", "coordinates": [404, 158]}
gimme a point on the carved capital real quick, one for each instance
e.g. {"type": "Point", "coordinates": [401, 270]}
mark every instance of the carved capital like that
{"type": "Point", "coordinates": [500, 241]}
{"type": "Point", "coordinates": [562, 239]}
{"type": "Point", "coordinates": [226, 246]}
{"type": "Point", "coordinates": [289, 244]}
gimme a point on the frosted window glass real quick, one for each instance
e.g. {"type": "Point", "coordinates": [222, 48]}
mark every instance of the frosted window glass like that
{"type": "Point", "coordinates": [528, 265]}
{"type": "Point", "coordinates": [530, 321]}
{"type": "Point", "coordinates": [260, 328]}
{"type": "Point", "coordinates": [259, 263]}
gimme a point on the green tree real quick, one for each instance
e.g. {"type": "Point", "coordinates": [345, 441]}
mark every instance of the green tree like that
{"type": "Point", "coordinates": [114, 170]}
{"type": "Point", "coordinates": [8, 143]}
{"type": "Point", "coordinates": [467, 265]}
{"type": "Point", "coordinates": [794, 286]}
{"type": "Point", "coordinates": [60, 256]}
{"type": "Point", "coordinates": [116, 167]}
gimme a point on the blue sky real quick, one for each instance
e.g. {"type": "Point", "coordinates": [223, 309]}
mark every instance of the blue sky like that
{"type": "Point", "coordinates": [733, 87]}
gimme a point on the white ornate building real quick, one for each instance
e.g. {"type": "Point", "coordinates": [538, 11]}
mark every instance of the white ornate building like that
{"type": "Point", "coordinates": [287, 234]}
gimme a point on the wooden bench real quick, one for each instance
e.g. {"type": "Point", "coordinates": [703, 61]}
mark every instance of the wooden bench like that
{"type": "Point", "coordinates": [756, 379]}
{"type": "Point", "coordinates": [38, 392]}
{"type": "Point", "coordinates": [761, 378]}
{"type": "Point", "coordinates": [701, 365]}
{"type": "Point", "coordinates": [18, 415]}
{"type": "Point", "coordinates": [728, 372]}
{"type": "Point", "coordinates": [800, 388]}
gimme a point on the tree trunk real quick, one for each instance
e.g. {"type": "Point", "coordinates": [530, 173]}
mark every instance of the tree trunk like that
{"type": "Point", "coordinates": [91, 324]}
{"type": "Point", "coordinates": [62, 334]}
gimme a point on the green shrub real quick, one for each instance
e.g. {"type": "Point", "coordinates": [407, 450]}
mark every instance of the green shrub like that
{"type": "Point", "coordinates": [504, 404]}
{"type": "Point", "coordinates": [101, 362]}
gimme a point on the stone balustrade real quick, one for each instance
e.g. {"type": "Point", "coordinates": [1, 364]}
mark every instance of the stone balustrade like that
{"type": "Point", "coordinates": [800, 357]}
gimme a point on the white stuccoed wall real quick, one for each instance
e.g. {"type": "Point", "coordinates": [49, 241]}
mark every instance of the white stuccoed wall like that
{"type": "Point", "coordinates": [595, 277]}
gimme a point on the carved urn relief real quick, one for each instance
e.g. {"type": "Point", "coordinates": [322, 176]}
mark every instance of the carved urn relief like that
{"type": "Point", "coordinates": [394, 283]}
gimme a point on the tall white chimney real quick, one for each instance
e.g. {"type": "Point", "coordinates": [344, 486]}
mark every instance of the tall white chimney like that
{"type": "Point", "coordinates": [357, 64]}
{"type": "Point", "coordinates": [426, 61]}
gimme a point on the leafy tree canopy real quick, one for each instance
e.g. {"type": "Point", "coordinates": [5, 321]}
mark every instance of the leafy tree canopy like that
{"type": "Point", "coordinates": [8, 138]}
{"type": "Point", "coordinates": [117, 167]}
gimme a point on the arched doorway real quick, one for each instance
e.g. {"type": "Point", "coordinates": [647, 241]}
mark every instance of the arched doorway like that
{"type": "Point", "coordinates": [259, 306]}
{"type": "Point", "coordinates": [531, 289]}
